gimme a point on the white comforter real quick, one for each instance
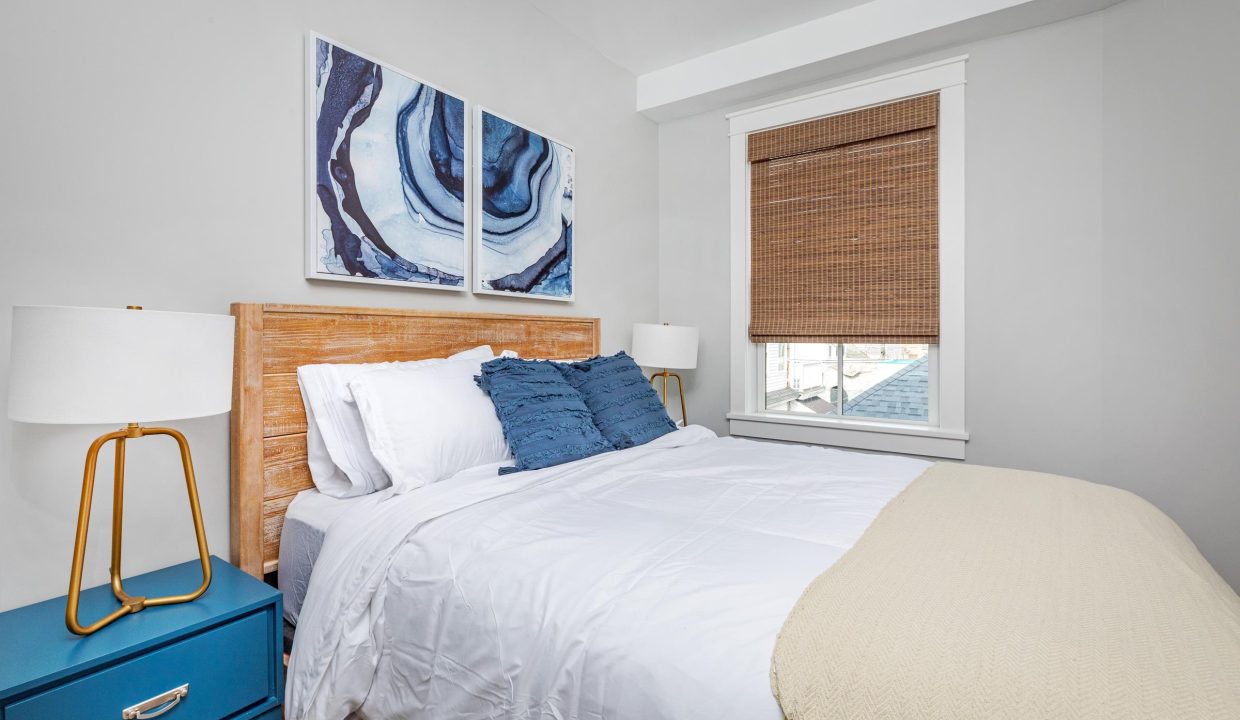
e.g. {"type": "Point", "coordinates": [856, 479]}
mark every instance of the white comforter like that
{"type": "Point", "coordinates": [643, 584]}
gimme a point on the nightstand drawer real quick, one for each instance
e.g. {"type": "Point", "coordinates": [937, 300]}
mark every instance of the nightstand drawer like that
{"type": "Point", "coordinates": [227, 668]}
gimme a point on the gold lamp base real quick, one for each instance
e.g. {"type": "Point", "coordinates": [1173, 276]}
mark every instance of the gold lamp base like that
{"type": "Point", "coordinates": [129, 604]}
{"type": "Point", "coordinates": [680, 384]}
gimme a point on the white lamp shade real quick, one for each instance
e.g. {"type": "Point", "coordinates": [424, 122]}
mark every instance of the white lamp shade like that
{"type": "Point", "coordinates": [672, 347]}
{"type": "Point", "coordinates": [101, 365]}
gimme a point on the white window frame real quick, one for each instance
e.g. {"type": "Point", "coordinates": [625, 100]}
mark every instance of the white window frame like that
{"type": "Point", "coordinates": [748, 415]}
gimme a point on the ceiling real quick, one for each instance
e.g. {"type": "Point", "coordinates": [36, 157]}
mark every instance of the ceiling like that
{"type": "Point", "coordinates": [645, 35]}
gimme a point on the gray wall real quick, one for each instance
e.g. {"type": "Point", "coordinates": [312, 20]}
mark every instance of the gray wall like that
{"type": "Point", "coordinates": [1102, 257]}
{"type": "Point", "coordinates": [153, 156]}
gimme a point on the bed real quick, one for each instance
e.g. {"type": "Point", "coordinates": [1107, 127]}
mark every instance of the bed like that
{"type": "Point", "coordinates": [659, 581]}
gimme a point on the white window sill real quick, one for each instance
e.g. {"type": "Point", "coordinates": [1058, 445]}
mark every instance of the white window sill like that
{"type": "Point", "coordinates": [859, 434]}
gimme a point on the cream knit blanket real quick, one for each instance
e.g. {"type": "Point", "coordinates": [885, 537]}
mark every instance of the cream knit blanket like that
{"type": "Point", "coordinates": [988, 593]}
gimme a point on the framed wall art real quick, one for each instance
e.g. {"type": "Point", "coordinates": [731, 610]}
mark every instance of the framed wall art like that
{"type": "Point", "coordinates": [524, 214]}
{"type": "Point", "coordinates": [388, 162]}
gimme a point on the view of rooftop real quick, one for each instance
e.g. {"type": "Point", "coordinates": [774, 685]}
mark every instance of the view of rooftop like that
{"type": "Point", "coordinates": [881, 381]}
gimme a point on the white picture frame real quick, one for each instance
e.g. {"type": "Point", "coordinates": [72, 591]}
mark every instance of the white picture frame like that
{"type": "Point", "coordinates": [480, 250]}
{"type": "Point", "coordinates": [314, 212]}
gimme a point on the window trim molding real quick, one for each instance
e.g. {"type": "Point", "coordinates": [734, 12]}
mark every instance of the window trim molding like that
{"type": "Point", "coordinates": [747, 416]}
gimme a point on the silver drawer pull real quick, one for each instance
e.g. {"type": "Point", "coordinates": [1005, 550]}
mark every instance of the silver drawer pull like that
{"type": "Point", "coordinates": [164, 701]}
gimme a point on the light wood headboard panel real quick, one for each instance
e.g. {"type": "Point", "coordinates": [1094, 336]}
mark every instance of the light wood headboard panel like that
{"type": "Point", "coordinates": [269, 422]}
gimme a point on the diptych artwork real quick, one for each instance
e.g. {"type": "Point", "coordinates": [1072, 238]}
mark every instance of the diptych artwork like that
{"type": "Point", "coordinates": [398, 184]}
{"type": "Point", "coordinates": [525, 238]}
{"type": "Point", "coordinates": [387, 163]}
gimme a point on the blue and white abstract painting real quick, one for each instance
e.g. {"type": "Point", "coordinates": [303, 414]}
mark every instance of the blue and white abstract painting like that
{"type": "Point", "coordinates": [526, 241]}
{"type": "Point", "coordinates": [388, 175]}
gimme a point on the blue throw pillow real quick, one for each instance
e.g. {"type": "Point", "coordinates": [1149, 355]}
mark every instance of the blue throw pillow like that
{"type": "Point", "coordinates": [544, 419]}
{"type": "Point", "coordinates": [625, 408]}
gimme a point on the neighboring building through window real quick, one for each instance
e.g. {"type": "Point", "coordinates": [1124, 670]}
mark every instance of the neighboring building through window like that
{"type": "Point", "coordinates": [873, 381]}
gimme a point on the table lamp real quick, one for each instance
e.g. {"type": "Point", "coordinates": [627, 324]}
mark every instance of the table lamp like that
{"type": "Point", "coordinates": [99, 365]}
{"type": "Point", "coordinates": [671, 347]}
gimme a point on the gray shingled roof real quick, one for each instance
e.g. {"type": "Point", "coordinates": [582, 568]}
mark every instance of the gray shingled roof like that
{"type": "Point", "coordinates": [903, 396]}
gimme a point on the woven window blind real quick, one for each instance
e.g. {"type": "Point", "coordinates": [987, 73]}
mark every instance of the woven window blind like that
{"type": "Point", "coordinates": [845, 228]}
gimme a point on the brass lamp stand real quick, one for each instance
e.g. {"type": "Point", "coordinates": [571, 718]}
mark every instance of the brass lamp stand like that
{"type": "Point", "coordinates": [680, 385]}
{"type": "Point", "coordinates": [129, 604]}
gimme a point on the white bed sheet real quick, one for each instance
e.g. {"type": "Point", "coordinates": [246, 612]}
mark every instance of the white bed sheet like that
{"type": "Point", "coordinates": [305, 527]}
{"type": "Point", "coordinates": [642, 584]}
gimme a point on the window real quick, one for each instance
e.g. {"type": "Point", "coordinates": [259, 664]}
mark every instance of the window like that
{"type": "Point", "coordinates": [847, 255]}
{"type": "Point", "coordinates": [878, 381]}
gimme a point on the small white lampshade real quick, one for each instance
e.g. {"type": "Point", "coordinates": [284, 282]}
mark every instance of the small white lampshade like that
{"type": "Point", "coordinates": [101, 365]}
{"type": "Point", "coordinates": [672, 347]}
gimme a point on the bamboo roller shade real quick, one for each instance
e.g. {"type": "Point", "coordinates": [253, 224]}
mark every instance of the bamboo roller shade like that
{"type": "Point", "coordinates": [845, 228]}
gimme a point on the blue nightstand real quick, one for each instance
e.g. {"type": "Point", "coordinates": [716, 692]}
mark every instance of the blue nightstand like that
{"type": "Point", "coordinates": [224, 648]}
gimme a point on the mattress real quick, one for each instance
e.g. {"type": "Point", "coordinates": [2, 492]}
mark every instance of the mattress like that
{"type": "Point", "coordinates": [305, 526]}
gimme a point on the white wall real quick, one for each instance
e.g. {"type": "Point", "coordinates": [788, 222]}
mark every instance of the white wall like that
{"type": "Point", "coordinates": [1171, 176]}
{"type": "Point", "coordinates": [1102, 256]}
{"type": "Point", "coordinates": [153, 156]}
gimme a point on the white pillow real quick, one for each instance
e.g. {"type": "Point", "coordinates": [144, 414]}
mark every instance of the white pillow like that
{"type": "Point", "coordinates": [341, 463]}
{"type": "Point", "coordinates": [428, 423]}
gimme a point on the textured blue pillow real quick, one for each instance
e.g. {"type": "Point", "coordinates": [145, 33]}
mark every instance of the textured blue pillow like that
{"type": "Point", "coordinates": [544, 419]}
{"type": "Point", "coordinates": [625, 408]}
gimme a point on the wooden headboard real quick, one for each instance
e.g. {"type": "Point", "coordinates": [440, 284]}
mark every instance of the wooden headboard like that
{"type": "Point", "coordinates": [268, 419]}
